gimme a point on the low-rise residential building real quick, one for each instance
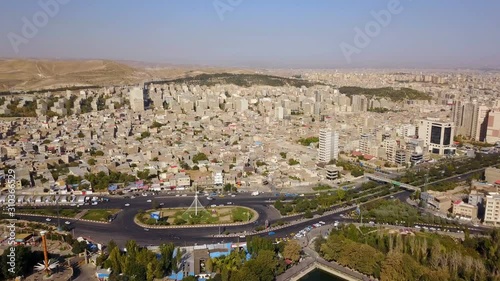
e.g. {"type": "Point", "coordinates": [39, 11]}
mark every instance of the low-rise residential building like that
{"type": "Point", "coordinates": [333, 172]}
{"type": "Point", "coordinates": [464, 210]}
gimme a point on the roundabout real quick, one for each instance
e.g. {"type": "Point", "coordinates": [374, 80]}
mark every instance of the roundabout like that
{"type": "Point", "coordinates": [186, 217]}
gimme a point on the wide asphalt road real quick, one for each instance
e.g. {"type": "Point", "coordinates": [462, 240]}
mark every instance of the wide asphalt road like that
{"type": "Point", "coordinates": [123, 227]}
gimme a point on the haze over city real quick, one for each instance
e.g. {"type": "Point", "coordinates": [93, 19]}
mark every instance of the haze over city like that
{"type": "Point", "coordinates": [249, 140]}
{"type": "Point", "coordinates": [259, 33]}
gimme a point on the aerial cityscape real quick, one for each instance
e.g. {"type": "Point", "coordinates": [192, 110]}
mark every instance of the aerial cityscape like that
{"type": "Point", "coordinates": [249, 140]}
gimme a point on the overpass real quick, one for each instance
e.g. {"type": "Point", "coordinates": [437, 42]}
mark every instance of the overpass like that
{"type": "Point", "coordinates": [393, 182]}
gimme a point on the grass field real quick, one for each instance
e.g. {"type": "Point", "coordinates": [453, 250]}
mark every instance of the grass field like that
{"type": "Point", "coordinates": [51, 212]}
{"type": "Point", "coordinates": [99, 214]}
{"type": "Point", "coordinates": [209, 216]}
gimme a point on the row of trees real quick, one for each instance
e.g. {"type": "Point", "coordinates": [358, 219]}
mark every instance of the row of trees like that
{"type": "Point", "coordinates": [140, 263]}
{"type": "Point", "coordinates": [395, 211]}
{"type": "Point", "coordinates": [448, 168]}
{"type": "Point", "coordinates": [261, 263]}
{"type": "Point", "coordinates": [25, 260]}
{"type": "Point", "coordinates": [392, 256]}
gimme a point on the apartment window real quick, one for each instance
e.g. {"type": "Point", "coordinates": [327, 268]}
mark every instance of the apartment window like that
{"type": "Point", "coordinates": [447, 136]}
{"type": "Point", "coordinates": [436, 135]}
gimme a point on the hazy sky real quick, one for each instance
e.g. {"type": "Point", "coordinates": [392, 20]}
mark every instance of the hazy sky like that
{"type": "Point", "coordinates": [264, 33]}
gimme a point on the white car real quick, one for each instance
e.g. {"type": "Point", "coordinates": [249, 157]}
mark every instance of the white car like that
{"type": "Point", "coordinates": [48, 219]}
{"type": "Point", "coordinates": [417, 226]}
{"type": "Point", "coordinates": [302, 195]}
{"type": "Point", "coordinates": [148, 201]}
{"type": "Point", "coordinates": [161, 204]}
{"type": "Point", "coordinates": [177, 195]}
{"type": "Point", "coordinates": [221, 205]}
{"type": "Point", "coordinates": [127, 204]}
{"type": "Point", "coordinates": [322, 222]}
{"type": "Point", "coordinates": [184, 195]}
{"type": "Point", "coordinates": [233, 195]}
{"type": "Point", "coordinates": [73, 205]}
{"type": "Point", "coordinates": [67, 222]}
{"type": "Point", "coordinates": [94, 203]}
{"type": "Point", "coordinates": [213, 206]}
{"type": "Point", "coordinates": [230, 203]}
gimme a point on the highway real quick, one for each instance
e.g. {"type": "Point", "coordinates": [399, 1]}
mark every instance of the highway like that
{"type": "Point", "coordinates": [123, 228]}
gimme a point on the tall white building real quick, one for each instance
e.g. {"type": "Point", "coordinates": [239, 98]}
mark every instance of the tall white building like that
{"type": "Point", "coordinates": [437, 136]}
{"type": "Point", "coordinates": [218, 178]}
{"type": "Point", "coordinates": [365, 143]}
{"type": "Point", "coordinates": [492, 209]}
{"type": "Point", "coordinates": [136, 97]}
{"type": "Point", "coordinates": [328, 145]}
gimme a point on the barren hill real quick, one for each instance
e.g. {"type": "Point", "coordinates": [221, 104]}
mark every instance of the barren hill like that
{"type": "Point", "coordinates": [43, 74]}
{"type": "Point", "coordinates": [24, 75]}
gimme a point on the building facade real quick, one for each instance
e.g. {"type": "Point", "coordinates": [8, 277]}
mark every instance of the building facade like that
{"type": "Point", "coordinates": [328, 145]}
{"type": "Point", "coordinates": [437, 136]}
{"type": "Point", "coordinates": [492, 209]}
{"type": "Point", "coordinates": [493, 127]}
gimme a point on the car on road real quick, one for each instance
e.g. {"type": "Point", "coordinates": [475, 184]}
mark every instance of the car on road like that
{"type": "Point", "coordinates": [221, 205]}
{"type": "Point", "coordinates": [213, 205]}
{"type": "Point", "coordinates": [177, 195]}
{"type": "Point", "coordinates": [209, 198]}
{"type": "Point", "coordinates": [184, 195]}
{"type": "Point", "coordinates": [229, 203]}
{"type": "Point", "coordinates": [322, 222]}
{"type": "Point", "coordinates": [127, 204]}
{"type": "Point", "coordinates": [73, 205]}
{"type": "Point", "coordinates": [146, 229]}
{"type": "Point", "coordinates": [233, 195]}
{"type": "Point", "coordinates": [48, 219]}
{"type": "Point", "coordinates": [67, 222]}
{"type": "Point", "coordinates": [317, 225]}
{"type": "Point", "coordinates": [271, 233]}
{"type": "Point", "coordinates": [94, 203]}
{"type": "Point", "coordinates": [161, 204]}
{"type": "Point", "coordinates": [302, 195]}
{"type": "Point", "coordinates": [148, 201]}
{"type": "Point", "coordinates": [133, 197]}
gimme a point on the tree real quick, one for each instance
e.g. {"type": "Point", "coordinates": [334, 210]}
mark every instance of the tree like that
{"type": "Point", "coordinates": [78, 247]}
{"type": "Point", "coordinates": [209, 265]}
{"type": "Point", "coordinates": [91, 161]}
{"type": "Point", "coordinates": [199, 157]}
{"type": "Point", "coordinates": [115, 260]}
{"type": "Point", "coordinates": [111, 245]}
{"type": "Point", "coordinates": [292, 250]}
{"type": "Point", "coordinates": [283, 155]}
{"type": "Point", "coordinates": [308, 214]}
{"type": "Point", "coordinates": [167, 255]}
{"type": "Point", "coordinates": [25, 260]}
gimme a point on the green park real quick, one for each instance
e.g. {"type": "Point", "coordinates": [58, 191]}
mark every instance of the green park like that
{"type": "Point", "coordinates": [189, 216]}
